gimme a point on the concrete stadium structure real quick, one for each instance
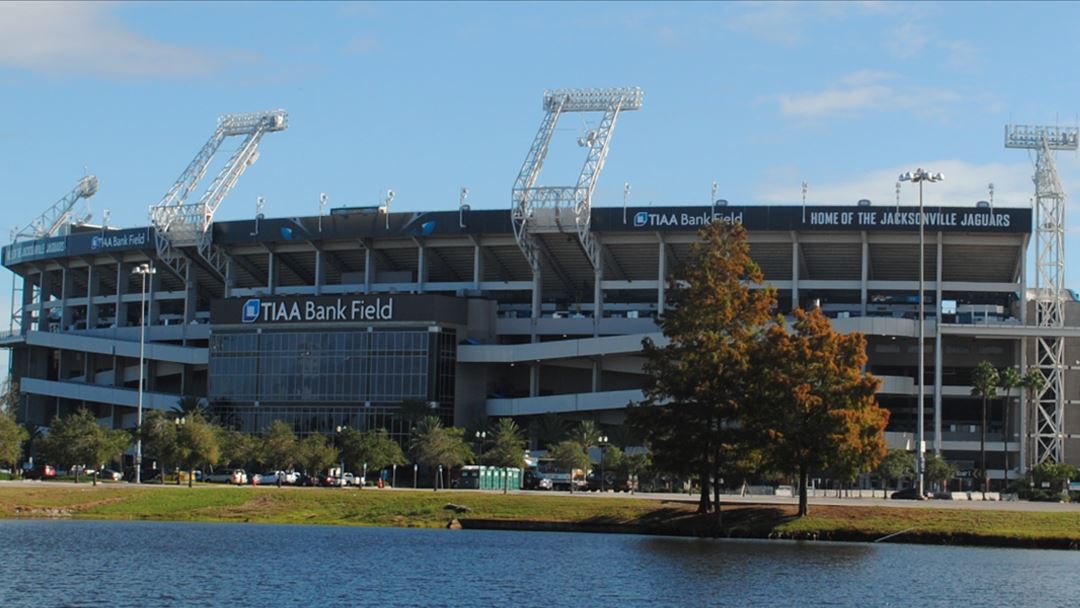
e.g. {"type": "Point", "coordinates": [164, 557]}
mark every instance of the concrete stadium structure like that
{"type": "Point", "coordinates": [338, 319]}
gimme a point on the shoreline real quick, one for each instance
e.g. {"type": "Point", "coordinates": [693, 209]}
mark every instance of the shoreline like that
{"type": "Point", "coordinates": [672, 516]}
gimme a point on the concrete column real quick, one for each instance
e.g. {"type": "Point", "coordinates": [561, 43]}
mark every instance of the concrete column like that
{"type": "Point", "coordinates": [46, 289]}
{"type": "Point", "coordinates": [230, 276]}
{"type": "Point", "coordinates": [93, 277]}
{"type": "Point", "coordinates": [661, 276]}
{"type": "Point", "coordinates": [537, 302]}
{"type": "Point", "coordinates": [937, 348]}
{"type": "Point", "coordinates": [421, 268]}
{"type": "Point", "coordinates": [865, 274]}
{"type": "Point", "coordinates": [598, 294]}
{"type": "Point", "coordinates": [794, 270]}
{"type": "Point", "coordinates": [597, 373]}
{"type": "Point", "coordinates": [478, 267]}
{"type": "Point", "coordinates": [369, 269]}
{"type": "Point", "coordinates": [191, 292]}
{"type": "Point", "coordinates": [153, 304]}
{"type": "Point", "coordinates": [27, 303]}
{"type": "Point", "coordinates": [320, 271]}
{"type": "Point", "coordinates": [122, 272]}
{"type": "Point", "coordinates": [534, 380]}
{"type": "Point", "coordinates": [67, 287]}
{"type": "Point", "coordinates": [272, 273]}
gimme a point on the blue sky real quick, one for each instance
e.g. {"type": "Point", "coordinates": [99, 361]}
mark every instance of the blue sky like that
{"type": "Point", "coordinates": [426, 98]}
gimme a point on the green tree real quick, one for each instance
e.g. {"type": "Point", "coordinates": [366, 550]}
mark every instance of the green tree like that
{"type": "Point", "coordinates": [189, 405]}
{"type": "Point", "coordinates": [1033, 383]}
{"type": "Point", "coordinates": [613, 459]}
{"type": "Point", "coordinates": [79, 440]}
{"type": "Point", "coordinates": [197, 444]}
{"type": "Point", "coordinates": [316, 453]}
{"type": "Point", "coordinates": [570, 455]}
{"type": "Point", "coordinates": [351, 443]}
{"type": "Point", "coordinates": [1055, 475]}
{"type": "Point", "coordinates": [1008, 379]}
{"type": "Point", "coordinates": [817, 407]}
{"type": "Point", "coordinates": [10, 396]}
{"type": "Point", "coordinates": [236, 448]}
{"type": "Point", "coordinates": [377, 450]}
{"type": "Point", "coordinates": [433, 444]}
{"type": "Point", "coordinates": [507, 448]}
{"type": "Point", "coordinates": [159, 439]}
{"type": "Point", "coordinates": [586, 433]}
{"type": "Point", "coordinates": [413, 411]}
{"type": "Point", "coordinates": [896, 465]}
{"type": "Point", "coordinates": [697, 389]}
{"type": "Point", "coordinates": [279, 446]}
{"type": "Point", "coordinates": [938, 470]}
{"type": "Point", "coordinates": [547, 429]}
{"type": "Point", "coordinates": [984, 384]}
{"type": "Point", "coordinates": [12, 438]}
{"type": "Point", "coordinates": [636, 464]}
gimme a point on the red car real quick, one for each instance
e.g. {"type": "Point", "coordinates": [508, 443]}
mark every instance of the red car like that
{"type": "Point", "coordinates": [40, 471]}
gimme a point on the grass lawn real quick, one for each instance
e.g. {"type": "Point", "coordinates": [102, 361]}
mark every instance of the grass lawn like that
{"type": "Point", "coordinates": [426, 509]}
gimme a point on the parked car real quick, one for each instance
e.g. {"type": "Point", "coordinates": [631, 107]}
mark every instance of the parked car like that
{"type": "Point", "coordinates": [147, 476]}
{"type": "Point", "coordinates": [234, 476]}
{"type": "Point", "coordinates": [908, 494]}
{"type": "Point", "coordinates": [41, 471]}
{"type": "Point", "coordinates": [534, 480]}
{"type": "Point", "coordinates": [271, 478]}
{"type": "Point", "coordinates": [334, 481]}
{"type": "Point", "coordinates": [110, 475]}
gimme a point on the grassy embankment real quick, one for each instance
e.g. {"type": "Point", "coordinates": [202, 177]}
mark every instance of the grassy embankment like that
{"type": "Point", "coordinates": [550, 512]}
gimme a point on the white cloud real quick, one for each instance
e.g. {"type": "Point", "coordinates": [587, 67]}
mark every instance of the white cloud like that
{"type": "Point", "coordinates": [771, 22]}
{"type": "Point", "coordinates": [907, 40]}
{"type": "Point", "coordinates": [863, 91]}
{"type": "Point", "coordinates": [964, 184]}
{"type": "Point", "coordinates": [75, 37]}
{"type": "Point", "coordinates": [362, 44]}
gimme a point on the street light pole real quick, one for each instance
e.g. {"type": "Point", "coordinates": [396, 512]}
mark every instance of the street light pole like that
{"type": "Point", "coordinates": [142, 270]}
{"type": "Point", "coordinates": [603, 444]}
{"type": "Point", "coordinates": [920, 176]}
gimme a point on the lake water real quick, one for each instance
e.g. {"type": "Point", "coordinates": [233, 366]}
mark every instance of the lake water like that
{"type": "Point", "coordinates": [118, 564]}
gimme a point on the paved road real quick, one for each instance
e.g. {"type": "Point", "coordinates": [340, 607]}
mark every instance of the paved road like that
{"type": "Point", "coordinates": [1044, 507]}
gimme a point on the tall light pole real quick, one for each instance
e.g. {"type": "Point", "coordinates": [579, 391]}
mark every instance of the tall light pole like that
{"type": "Point", "coordinates": [919, 176]}
{"type": "Point", "coordinates": [143, 270]}
{"type": "Point", "coordinates": [602, 441]}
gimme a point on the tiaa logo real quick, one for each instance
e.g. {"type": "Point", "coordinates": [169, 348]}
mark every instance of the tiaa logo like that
{"type": "Point", "coordinates": [95, 243]}
{"type": "Point", "coordinates": [641, 218]}
{"type": "Point", "coordinates": [250, 313]}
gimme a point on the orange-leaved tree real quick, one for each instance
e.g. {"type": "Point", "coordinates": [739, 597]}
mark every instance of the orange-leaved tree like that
{"type": "Point", "coordinates": [697, 389]}
{"type": "Point", "coordinates": [816, 406]}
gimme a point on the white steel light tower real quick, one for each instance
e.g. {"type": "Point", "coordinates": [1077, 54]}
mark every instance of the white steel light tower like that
{"type": "Point", "coordinates": [178, 224]}
{"type": "Point", "coordinates": [537, 208]}
{"type": "Point", "coordinates": [53, 221]}
{"type": "Point", "coordinates": [1047, 439]}
{"type": "Point", "coordinates": [919, 176]}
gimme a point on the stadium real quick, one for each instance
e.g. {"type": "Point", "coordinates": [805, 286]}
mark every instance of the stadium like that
{"type": "Point", "coordinates": [341, 318]}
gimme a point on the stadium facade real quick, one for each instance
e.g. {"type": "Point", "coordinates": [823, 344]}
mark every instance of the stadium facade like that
{"type": "Point", "coordinates": [339, 319]}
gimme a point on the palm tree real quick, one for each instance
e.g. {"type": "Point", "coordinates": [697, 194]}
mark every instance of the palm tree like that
{"type": "Point", "coordinates": [190, 405]}
{"type": "Point", "coordinates": [1008, 379]}
{"type": "Point", "coordinates": [1033, 383]}
{"type": "Point", "coordinates": [508, 448]}
{"type": "Point", "coordinates": [587, 434]}
{"type": "Point", "coordinates": [548, 429]}
{"type": "Point", "coordinates": [984, 383]}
